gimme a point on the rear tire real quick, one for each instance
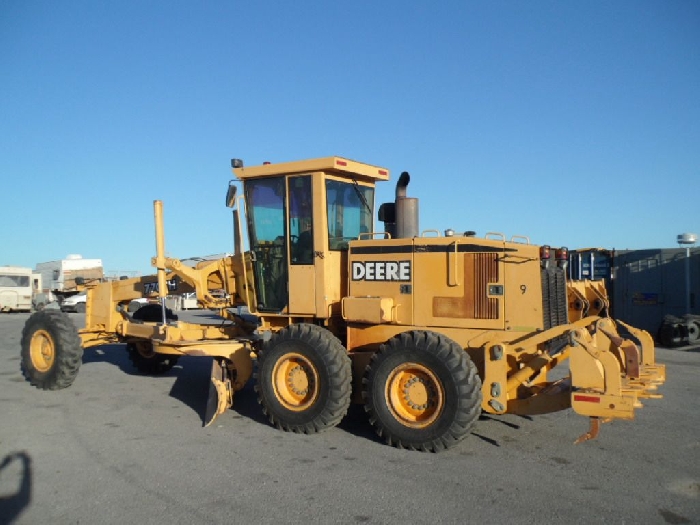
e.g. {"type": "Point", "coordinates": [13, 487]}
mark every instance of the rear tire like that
{"type": "Point", "coordinates": [304, 379]}
{"type": "Point", "coordinates": [422, 391]}
{"type": "Point", "coordinates": [146, 361]}
{"type": "Point", "coordinates": [141, 353]}
{"type": "Point", "coordinates": [52, 351]}
{"type": "Point", "coordinates": [693, 328]}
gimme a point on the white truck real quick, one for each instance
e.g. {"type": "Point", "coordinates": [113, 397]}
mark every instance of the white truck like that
{"type": "Point", "coordinates": [20, 290]}
{"type": "Point", "coordinates": [68, 276]}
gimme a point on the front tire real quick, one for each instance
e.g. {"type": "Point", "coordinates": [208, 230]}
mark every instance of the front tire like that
{"type": "Point", "coordinates": [304, 379]}
{"type": "Point", "coordinates": [52, 351]}
{"type": "Point", "coordinates": [422, 391]}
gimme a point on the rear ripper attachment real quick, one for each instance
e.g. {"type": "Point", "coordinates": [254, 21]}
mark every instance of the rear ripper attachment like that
{"type": "Point", "coordinates": [609, 373]}
{"type": "Point", "coordinates": [633, 352]}
{"type": "Point", "coordinates": [629, 372]}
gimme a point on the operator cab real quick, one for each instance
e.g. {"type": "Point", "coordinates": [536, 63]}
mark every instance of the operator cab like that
{"type": "Point", "coordinates": [300, 217]}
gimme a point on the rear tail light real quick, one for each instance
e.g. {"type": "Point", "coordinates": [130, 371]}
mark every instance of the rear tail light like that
{"type": "Point", "coordinates": [545, 252]}
{"type": "Point", "coordinates": [562, 257]}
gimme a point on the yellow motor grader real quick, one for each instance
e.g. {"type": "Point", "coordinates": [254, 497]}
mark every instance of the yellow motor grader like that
{"type": "Point", "coordinates": [427, 329]}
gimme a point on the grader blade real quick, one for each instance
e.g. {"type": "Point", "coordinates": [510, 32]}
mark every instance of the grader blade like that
{"type": "Point", "coordinates": [220, 393]}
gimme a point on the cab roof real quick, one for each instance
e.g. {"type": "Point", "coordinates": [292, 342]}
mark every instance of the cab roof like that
{"type": "Point", "coordinates": [334, 165]}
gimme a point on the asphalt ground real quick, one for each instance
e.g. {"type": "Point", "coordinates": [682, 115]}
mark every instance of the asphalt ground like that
{"type": "Point", "coordinates": [118, 447]}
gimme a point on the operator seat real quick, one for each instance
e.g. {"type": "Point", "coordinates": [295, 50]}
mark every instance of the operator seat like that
{"type": "Point", "coordinates": [304, 248]}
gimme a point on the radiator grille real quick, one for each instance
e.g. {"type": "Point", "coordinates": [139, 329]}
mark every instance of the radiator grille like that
{"type": "Point", "coordinates": [554, 302]}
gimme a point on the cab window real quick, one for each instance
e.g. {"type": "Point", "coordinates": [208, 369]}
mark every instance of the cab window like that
{"type": "Point", "coordinates": [301, 231]}
{"type": "Point", "coordinates": [349, 207]}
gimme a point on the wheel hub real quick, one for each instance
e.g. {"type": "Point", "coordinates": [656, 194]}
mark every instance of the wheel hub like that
{"type": "Point", "coordinates": [415, 395]}
{"type": "Point", "coordinates": [298, 380]}
{"type": "Point", "coordinates": [42, 350]}
{"type": "Point", "coordinates": [419, 393]}
{"type": "Point", "coordinates": [295, 381]}
{"type": "Point", "coordinates": [145, 349]}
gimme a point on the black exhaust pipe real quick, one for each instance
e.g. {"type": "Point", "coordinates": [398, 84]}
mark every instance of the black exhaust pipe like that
{"type": "Point", "coordinates": [401, 216]}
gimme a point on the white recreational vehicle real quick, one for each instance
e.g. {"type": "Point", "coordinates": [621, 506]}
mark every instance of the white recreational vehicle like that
{"type": "Point", "coordinates": [20, 290]}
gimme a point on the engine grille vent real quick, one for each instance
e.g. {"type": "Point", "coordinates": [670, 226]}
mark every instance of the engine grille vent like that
{"type": "Point", "coordinates": [485, 272]}
{"type": "Point", "coordinates": [554, 302]}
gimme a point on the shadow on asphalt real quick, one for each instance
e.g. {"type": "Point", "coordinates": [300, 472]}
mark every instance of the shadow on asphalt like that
{"type": "Point", "coordinates": [191, 387]}
{"type": "Point", "coordinates": [13, 504]}
{"type": "Point", "coordinates": [114, 354]}
{"type": "Point", "coordinates": [191, 374]}
{"type": "Point", "coordinates": [356, 422]}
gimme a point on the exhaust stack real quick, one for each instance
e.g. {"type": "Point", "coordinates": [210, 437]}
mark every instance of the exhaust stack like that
{"type": "Point", "coordinates": [401, 216]}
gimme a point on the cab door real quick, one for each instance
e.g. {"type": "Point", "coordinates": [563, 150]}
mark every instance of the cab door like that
{"type": "Point", "coordinates": [302, 252]}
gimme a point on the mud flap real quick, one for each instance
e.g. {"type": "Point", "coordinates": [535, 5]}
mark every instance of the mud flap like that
{"type": "Point", "coordinates": [220, 392]}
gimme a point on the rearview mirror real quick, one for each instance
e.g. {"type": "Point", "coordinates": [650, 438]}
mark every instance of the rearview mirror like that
{"type": "Point", "coordinates": [231, 195]}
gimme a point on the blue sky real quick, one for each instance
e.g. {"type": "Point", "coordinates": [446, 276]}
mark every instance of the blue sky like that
{"type": "Point", "coordinates": [575, 123]}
